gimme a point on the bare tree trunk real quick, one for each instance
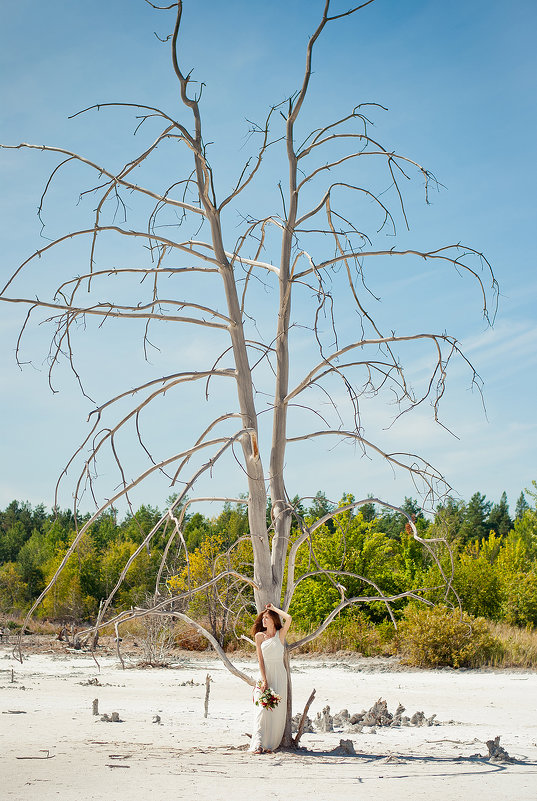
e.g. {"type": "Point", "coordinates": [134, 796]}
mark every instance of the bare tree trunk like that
{"type": "Point", "coordinates": [287, 739]}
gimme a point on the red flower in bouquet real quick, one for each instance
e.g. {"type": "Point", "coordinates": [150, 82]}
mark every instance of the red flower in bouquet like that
{"type": "Point", "coordinates": [268, 698]}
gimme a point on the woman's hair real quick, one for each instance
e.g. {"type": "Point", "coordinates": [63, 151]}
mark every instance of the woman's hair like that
{"type": "Point", "coordinates": [258, 622]}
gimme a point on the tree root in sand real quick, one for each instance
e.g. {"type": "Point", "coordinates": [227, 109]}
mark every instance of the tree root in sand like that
{"type": "Point", "coordinates": [377, 716]}
{"type": "Point", "coordinates": [496, 752]}
{"type": "Point", "coordinates": [112, 718]}
{"type": "Point", "coordinates": [345, 748]}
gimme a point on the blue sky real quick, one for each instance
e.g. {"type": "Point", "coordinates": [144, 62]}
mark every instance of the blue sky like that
{"type": "Point", "coordinates": [459, 81]}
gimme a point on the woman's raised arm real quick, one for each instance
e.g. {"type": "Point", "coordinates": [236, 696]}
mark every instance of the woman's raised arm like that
{"type": "Point", "coordinates": [287, 619]}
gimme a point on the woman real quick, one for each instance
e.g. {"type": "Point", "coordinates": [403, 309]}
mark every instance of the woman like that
{"type": "Point", "coordinates": [269, 635]}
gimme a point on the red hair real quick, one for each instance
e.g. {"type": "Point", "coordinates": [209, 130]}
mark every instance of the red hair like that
{"type": "Point", "coordinates": [258, 622]}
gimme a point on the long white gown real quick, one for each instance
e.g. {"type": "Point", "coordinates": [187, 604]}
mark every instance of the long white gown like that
{"type": "Point", "coordinates": [270, 723]}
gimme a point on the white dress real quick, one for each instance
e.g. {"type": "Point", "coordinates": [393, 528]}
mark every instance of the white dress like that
{"type": "Point", "coordinates": [269, 724]}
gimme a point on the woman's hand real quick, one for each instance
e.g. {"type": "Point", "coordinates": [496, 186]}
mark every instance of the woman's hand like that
{"type": "Point", "coordinates": [264, 685]}
{"type": "Point", "coordinates": [286, 618]}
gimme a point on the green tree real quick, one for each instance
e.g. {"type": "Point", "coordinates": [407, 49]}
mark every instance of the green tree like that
{"type": "Point", "coordinates": [17, 523]}
{"type": "Point", "coordinates": [137, 526]}
{"type": "Point", "coordinates": [57, 532]}
{"type": "Point", "coordinates": [474, 524]}
{"type": "Point", "coordinates": [11, 541]}
{"type": "Point", "coordinates": [74, 596]}
{"type": "Point", "coordinates": [140, 576]}
{"type": "Point", "coordinates": [32, 560]}
{"type": "Point", "coordinates": [352, 546]}
{"type": "Point", "coordinates": [521, 506]}
{"type": "Point", "coordinates": [320, 506]}
{"type": "Point", "coordinates": [533, 492]}
{"type": "Point", "coordinates": [368, 512]}
{"type": "Point", "coordinates": [519, 607]}
{"type": "Point", "coordinates": [13, 590]}
{"type": "Point", "coordinates": [394, 523]}
{"type": "Point", "coordinates": [525, 529]}
{"type": "Point", "coordinates": [477, 580]}
{"type": "Point", "coordinates": [195, 530]}
{"type": "Point", "coordinates": [517, 571]}
{"type": "Point", "coordinates": [231, 523]}
{"type": "Point", "coordinates": [219, 602]}
{"type": "Point", "coordinates": [499, 519]}
{"type": "Point", "coordinates": [105, 530]}
{"type": "Point", "coordinates": [449, 518]}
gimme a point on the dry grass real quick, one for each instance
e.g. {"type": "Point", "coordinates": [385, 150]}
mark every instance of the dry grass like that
{"type": "Point", "coordinates": [185, 637]}
{"type": "Point", "coordinates": [518, 646]}
{"type": "Point", "coordinates": [514, 647]}
{"type": "Point", "coordinates": [13, 624]}
{"type": "Point", "coordinates": [350, 634]}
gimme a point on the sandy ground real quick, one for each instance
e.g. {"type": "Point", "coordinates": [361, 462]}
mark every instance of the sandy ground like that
{"type": "Point", "coordinates": [53, 747]}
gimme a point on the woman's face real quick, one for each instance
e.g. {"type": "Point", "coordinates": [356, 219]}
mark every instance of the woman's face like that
{"type": "Point", "coordinates": [266, 620]}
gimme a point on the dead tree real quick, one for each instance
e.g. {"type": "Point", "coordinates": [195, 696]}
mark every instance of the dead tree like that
{"type": "Point", "coordinates": [310, 255]}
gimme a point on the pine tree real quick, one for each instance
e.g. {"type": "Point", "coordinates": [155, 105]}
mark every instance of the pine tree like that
{"type": "Point", "coordinates": [475, 522]}
{"type": "Point", "coordinates": [449, 518]}
{"type": "Point", "coordinates": [499, 519]}
{"type": "Point", "coordinates": [521, 506]}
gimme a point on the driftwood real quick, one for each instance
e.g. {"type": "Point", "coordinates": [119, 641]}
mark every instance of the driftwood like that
{"type": "Point", "coordinates": [324, 720]}
{"type": "Point", "coordinates": [45, 751]}
{"type": "Point", "coordinates": [345, 748]}
{"type": "Point", "coordinates": [496, 752]}
{"type": "Point", "coordinates": [207, 693]}
{"type": "Point", "coordinates": [69, 635]}
{"type": "Point", "coordinates": [91, 683]}
{"type": "Point", "coordinates": [303, 720]}
{"type": "Point", "coordinates": [112, 718]}
{"type": "Point", "coordinates": [377, 716]}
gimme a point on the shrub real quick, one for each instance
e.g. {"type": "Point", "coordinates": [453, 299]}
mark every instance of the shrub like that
{"type": "Point", "coordinates": [441, 637]}
{"type": "Point", "coordinates": [355, 633]}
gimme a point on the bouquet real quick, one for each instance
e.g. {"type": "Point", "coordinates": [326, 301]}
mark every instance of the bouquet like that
{"type": "Point", "coordinates": [267, 698]}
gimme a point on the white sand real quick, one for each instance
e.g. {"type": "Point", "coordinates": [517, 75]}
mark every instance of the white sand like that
{"type": "Point", "coordinates": [189, 757]}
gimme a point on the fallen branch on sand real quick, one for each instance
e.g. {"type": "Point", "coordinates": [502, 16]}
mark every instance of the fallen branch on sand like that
{"type": "Point", "coordinates": [43, 750]}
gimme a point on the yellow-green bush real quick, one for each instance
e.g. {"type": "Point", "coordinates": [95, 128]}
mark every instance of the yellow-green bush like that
{"type": "Point", "coordinates": [441, 637]}
{"type": "Point", "coordinates": [355, 633]}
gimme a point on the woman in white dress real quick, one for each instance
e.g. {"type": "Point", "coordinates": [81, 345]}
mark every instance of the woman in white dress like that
{"type": "Point", "coordinates": [269, 635]}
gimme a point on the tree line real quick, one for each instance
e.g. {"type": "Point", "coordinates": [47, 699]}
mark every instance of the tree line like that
{"type": "Point", "coordinates": [494, 560]}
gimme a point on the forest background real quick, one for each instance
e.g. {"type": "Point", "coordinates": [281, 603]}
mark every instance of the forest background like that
{"type": "Point", "coordinates": [494, 557]}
